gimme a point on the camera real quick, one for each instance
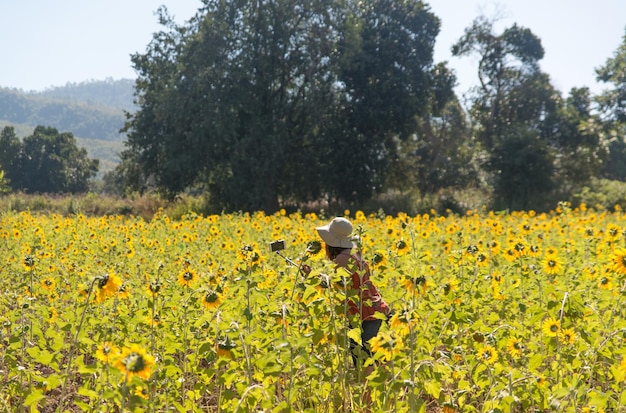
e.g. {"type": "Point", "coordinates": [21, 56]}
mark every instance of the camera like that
{"type": "Point", "coordinates": [278, 245]}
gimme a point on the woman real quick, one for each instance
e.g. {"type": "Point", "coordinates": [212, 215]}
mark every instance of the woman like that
{"type": "Point", "coordinates": [337, 236]}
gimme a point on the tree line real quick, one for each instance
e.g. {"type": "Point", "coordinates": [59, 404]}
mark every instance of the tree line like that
{"type": "Point", "coordinates": [270, 103]}
{"type": "Point", "coordinates": [264, 103]}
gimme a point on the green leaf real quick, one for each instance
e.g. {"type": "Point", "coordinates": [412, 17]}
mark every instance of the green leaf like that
{"type": "Point", "coordinates": [535, 361]}
{"type": "Point", "coordinates": [355, 334]}
{"type": "Point", "coordinates": [92, 394]}
{"type": "Point", "coordinates": [599, 399]}
{"type": "Point", "coordinates": [40, 356]}
{"type": "Point", "coordinates": [433, 388]}
{"type": "Point", "coordinates": [33, 398]}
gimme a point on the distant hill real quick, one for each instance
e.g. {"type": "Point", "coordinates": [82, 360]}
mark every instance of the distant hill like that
{"type": "Point", "coordinates": [109, 93]}
{"type": "Point", "coordinates": [92, 111]}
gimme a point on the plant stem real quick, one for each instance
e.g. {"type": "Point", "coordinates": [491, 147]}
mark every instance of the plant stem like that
{"type": "Point", "coordinates": [70, 355]}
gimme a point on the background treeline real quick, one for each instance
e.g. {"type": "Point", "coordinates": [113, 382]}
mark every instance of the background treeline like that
{"type": "Point", "coordinates": [334, 104]}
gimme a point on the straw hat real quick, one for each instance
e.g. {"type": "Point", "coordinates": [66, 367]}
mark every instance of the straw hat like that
{"type": "Point", "coordinates": [337, 233]}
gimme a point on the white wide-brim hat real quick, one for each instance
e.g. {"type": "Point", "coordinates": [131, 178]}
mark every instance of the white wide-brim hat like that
{"type": "Point", "coordinates": [337, 234]}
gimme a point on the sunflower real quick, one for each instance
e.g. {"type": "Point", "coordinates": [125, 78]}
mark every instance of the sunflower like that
{"type": "Point", "coordinates": [386, 344]}
{"type": "Point", "coordinates": [48, 284]}
{"type": "Point", "coordinates": [541, 380]}
{"type": "Point", "coordinates": [448, 409]}
{"type": "Point", "coordinates": [413, 284]}
{"type": "Point", "coordinates": [488, 354]}
{"type": "Point", "coordinates": [450, 285]}
{"type": "Point", "coordinates": [52, 296]}
{"type": "Point", "coordinates": [551, 327]}
{"type": "Point", "coordinates": [186, 277]}
{"type": "Point", "coordinates": [314, 248]}
{"type": "Point", "coordinates": [482, 260]}
{"type": "Point", "coordinates": [134, 361]}
{"type": "Point", "coordinates": [124, 291]}
{"type": "Point", "coordinates": [402, 247]}
{"type": "Point", "coordinates": [225, 347]}
{"type": "Point", "coordinates": [28, 262]}
{"type": "Point", "coordinates": [534, 251]}
{"type": "Point", "coordinates": [514, 347]}
{"type": "Point", "coordinates": [551, 251]}
{"type": "Point", "coordinates": [153, 320]}
{"type": "Point", "coordinates": [142, 392]}
{"type": "Point", "coordinates": [379, 260]}
{"type": "Point", "coordinates": [510, 255]}
{"type": "Point", "coordinates": [402, 322]}
{"type": "Point", "coordinates": [618, 260]}
{"type": "Point", "coordinates": [52, 315]}
{"type": "Point", "coordinates": [251, 254]}
{"type": "Point", "coordinates": [211, 299]}
{"type": "Point", "coordinates": [390, 232]}
{"type": "Point", "coordinates": [552, 265]}
{"type": "Point", "coordinates": [494, 247]}
{"type": "Point", "coordinates": [605, 283]}
{"type": "Point", "coordinates": [613, 230]}
{"type": "Point", "coordinates": [107, 352]}
{"type": "Point", "coordinates": [154, 288]}
{"type": "Point", "coordinates": [108, 284]}
{"type": "Point", "coordinates": [567, 336]}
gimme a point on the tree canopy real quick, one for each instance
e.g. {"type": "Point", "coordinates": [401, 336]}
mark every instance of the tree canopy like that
{"type": "Point", "coordinates": [45, 162]}
{"type": "Point", "coordinates": [262, 102]}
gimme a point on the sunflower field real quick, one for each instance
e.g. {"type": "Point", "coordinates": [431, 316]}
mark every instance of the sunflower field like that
{"type": "Point", "coordinates": [493, 312]}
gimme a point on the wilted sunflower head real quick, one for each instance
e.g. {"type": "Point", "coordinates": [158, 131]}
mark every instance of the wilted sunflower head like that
{"type": "Point", "coordinates": [314, 247]}
{"type": "Point", "coordinates": [29, 261]}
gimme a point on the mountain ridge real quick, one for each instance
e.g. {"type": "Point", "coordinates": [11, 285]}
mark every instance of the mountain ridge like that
{"type": "Point", "coordinates": [93, 111]}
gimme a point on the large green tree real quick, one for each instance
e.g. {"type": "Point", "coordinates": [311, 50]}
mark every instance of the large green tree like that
{"type": "Point", "coordinates": [613, 105]}
{"type": "Point", "coordinates": [46, 162]}
{"type": "Point", "coordinates": [540, 148]}
{"type": "Point", "coordinates": [264, 101]}
{"type": "Point", "coordinates": [10, 148]}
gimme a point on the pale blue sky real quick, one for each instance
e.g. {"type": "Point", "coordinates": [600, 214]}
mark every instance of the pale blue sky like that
{"type": "Point", "coordinates": [48, 43]}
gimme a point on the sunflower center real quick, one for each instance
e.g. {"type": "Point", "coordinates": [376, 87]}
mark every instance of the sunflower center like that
{"type": "Point", "coordinates": [210, 297]}
{"type": "Point", "coordinates": [551, 263]}
{"type": "Point", "coordinates": [102, 282]}
{"type": "Point", "coordinates": [554, 328]}
{"type": "Point", "coordinates": [378, 258]}
{"type": "Point", "coordinates": [187, 276]}
{"type": "Point", "coordinates": [134, 362]}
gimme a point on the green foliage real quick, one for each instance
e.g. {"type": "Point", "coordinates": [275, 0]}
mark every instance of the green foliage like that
{"type": "Point", "coordinates": [539, 148]}
{"type": "Point", "coordinates": [282, 101]}
{"type": "Point", "coordinates": [45, 162]}
{"type": "Point", "coordinates": [613, 100]}
{"type": "Point", "coordinates": [603, 193]}
{"type": "Point", "coordinates": [613, 105]}
{"type": "Point", "coordinates": [524, 170]}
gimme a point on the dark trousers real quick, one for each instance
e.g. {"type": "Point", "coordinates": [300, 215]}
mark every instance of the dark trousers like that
{"type": "Point", "coordinates": [369, 330]}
